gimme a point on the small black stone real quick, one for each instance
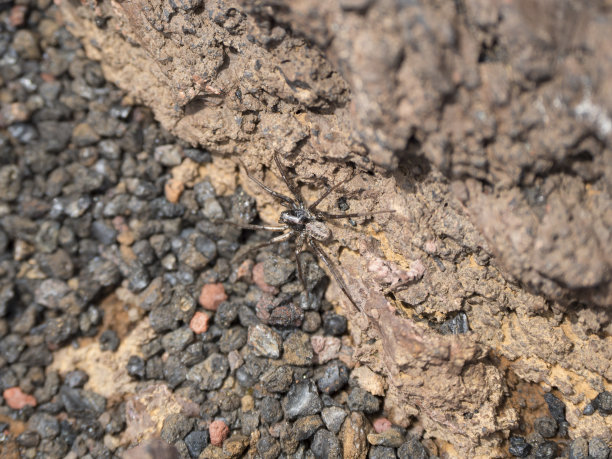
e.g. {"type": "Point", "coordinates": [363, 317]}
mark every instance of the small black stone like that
{"type": "Point", "coordinates": [270, 410]}
{"type": "Point", "coordinates": [76, 378]}
{"type": "Point", "coordinates": [81, 402]}
{"type": "Point", "coordinates": [603, 403]}
{"type": "Point", "coordinates": [412, 449]}
{"type": "Point", "coordinates": [109, 341]}
{"type": "Point", "coordinates": [579, 449]}
{"type": "Point", "coordinates": [28, 439]}
{"type": "Point", "coordinates": [334, 324]}
{"type": "Point", "coordinates": [382, 452]}
{"type": "Point", "coordinates": [556, 407]}
{"type": "Point", "coordinates": [589, 409]}
{"type": "Point", "coordinates": [302, 400]}
{"type": "Point", "coordinates": [546, 426]}
{"type": "Point", "coordinates": [334, 378]}
{"type": "Point", "coordinates": [325, 445]}
{"type": "Point", "coordinates": [598, 449]}
{"type": "Point", "coordinates": [546, 450]}
{"type": "Point", "coordinates": [226, 313]}
{"type": "Point", "coordinates": [136, 367]}
{"type": "Point", "coordinates": [175, 427]}
{"type": "Point", "coordinates": [519, 447]}
{"type": "Point", "coordinates": [175, 341]}
{"type": "Point", "coordinates": [361, 400]}
{"type": "Point", "coordinates": [196, 441]}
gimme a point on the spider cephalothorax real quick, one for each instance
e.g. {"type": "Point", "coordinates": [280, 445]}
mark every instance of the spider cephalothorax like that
{"type": "Point", "coordinates": [303, 223]}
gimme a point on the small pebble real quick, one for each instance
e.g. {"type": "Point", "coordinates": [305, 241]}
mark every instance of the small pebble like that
{"type": "Point", "coordinates": [211, 296]}
{"type": "Point", "coordinates": [546, 426]}
{"type": "Point", "coordinates": [546, 450]}
{"type": "Point", "coordinates": [16, 399]}
{"type": "Point", "coordinates": [598, 448]}
{"type": "Point", "coordinates": [603, 403]}
{"type": "Point", "coordinates": [219, 431]}
{"type": "Point", "coordinates": [199, 322]}
{"type": "Point", "coordinates": [265, 341]}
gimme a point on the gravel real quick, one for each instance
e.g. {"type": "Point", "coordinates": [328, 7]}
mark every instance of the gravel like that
{"type": "Point", "coordinates": [87, 214]}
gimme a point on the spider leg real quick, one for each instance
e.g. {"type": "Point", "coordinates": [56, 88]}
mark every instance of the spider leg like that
{"type": "Point", "coordinates": [283, 237]}
{"type": "Point", "coordinates": [286, 200]}
{"type": "Point", "coordinates": [253, 227]}
{"type": "Point", "coordinates": [323, 214]}
{"type": "Point", "coordinates": [314, 205]}
{"type": "Point", "coordinates": [283, 172]}
{"type": "Point", "coordinates": [299, 245]}
{"type": "Point", "coordinates": [332, 269]}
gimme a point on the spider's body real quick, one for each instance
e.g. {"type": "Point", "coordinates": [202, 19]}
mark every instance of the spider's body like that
{"type": "Point", "coordinates": [301, 220]}
{"type": "Point", "coordinates": [304, 224]}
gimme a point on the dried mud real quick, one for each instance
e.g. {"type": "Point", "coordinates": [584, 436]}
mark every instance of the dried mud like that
{"type": "Point", "coordinates": [484, 125]}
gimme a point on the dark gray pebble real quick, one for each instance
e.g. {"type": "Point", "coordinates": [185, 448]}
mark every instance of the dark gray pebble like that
{"type": "Point", "coordinates": [232, 339]}
{"type": "Point", "coordinates": [177, 340]}
{"type": "Point", "coordinates": [519, 447]}
{"type": "Point", "coordinates": [334, 324]}
{"type": "Point", "coordinates": [28, 439]}
{"type": "Point", "coordinates": [136, 367]}
{"type": "Point", "coordinates": [277, 379]}
{"type": "Point", "coordinates": [76, 378]}
{"type": "Point", "coordinates": [277, 270]}
{"type": "Point", "coordinates": [176, 426]}
{"type": "Point", "coordinates": [381, 452]}
{"type": "Point", "coordinates": [46, 425]}
{"type": "Point", "coordinates": [545, 426]}
{"type": "Point", "coordinates": [302, 400]}
{"type": "Point", "coordinates": [81, 402]}
{"type": "Point", "coordinates": [598, 449]}
{"type": "Point", "coordinates": [603, 403]}
{"type": "Point", "coordinates": [361, 400]}
{"type": "Point", "coordinates": [546, 450]}
{"type": "Point", "coordinates": [579, 449]}
{"type": "Point", "coordinates": [325, 445]}
{"type": "Point", "coordinates": [589, 409]}
{"type": "Point", "coordinates": [268, 447]}
{"type": "Point", "coordinates": [209, 374]}
{"type": "Point", "coordinates": [175, 371]}
{"type": "Point", "coordinates": [412, 449]}
{"type": "Point", "coordinates": [270, 410]}
{"type": "Point", "coordinates": [556, 407]}
{"type": "Point", "coordinates": [196, 441]}
{"type": "Point", "coordinates": [109, 341]}
{"type": "Point", "coordinates": [194, 353]}
{"type": "Point", "coordinates": [304, 428]}
{"type": "Point", "coordinates": [334, 378]}
{"type": "Point", "coordinates": [226, 313]}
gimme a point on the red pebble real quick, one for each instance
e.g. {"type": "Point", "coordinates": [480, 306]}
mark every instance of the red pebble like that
{"type": "Point", "coordinates": [381, 424]}
{"type": "Point", "coordinates": [212, 296]}
{"type": "Point", "coordinates": [16, 399]}
{"type": "Point", "coordinates": [219, 431]}
{"type": "Point", "coordinates": [199, 322]}
{"type": "Point", "coordinates": [17, 15]}
{"type": "Point", "coordinates": [258, 278]}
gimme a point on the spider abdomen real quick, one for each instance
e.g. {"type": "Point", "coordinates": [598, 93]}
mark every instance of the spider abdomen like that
{"type": "Point", "coordinates": [318, 230]}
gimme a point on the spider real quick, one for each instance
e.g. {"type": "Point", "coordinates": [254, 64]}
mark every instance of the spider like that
{"type": "Point", "coordinates": [303, 223]}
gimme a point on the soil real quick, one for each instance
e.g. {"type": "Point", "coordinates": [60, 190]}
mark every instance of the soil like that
{"type": "Point", "coordinates": [485, 126]}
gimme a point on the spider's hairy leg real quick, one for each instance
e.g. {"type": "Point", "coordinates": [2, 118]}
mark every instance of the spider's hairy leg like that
{"type": "Point", "coordinates": [253, 227]}
{"type": "Point", "coordinates": [285, 200]}
{"type": "Point", "coordinates": [275, 240]}
{"type": "Point", "coordinates": [314, 205]}
{"type": "Point", "coordinates": [332, 269]}
{"type": "Point", "coordinates": [358, 214]}
{"type": "Point", "coordinates": [290, 184]}
{"type": "Point", "coordinates": [299, 245]}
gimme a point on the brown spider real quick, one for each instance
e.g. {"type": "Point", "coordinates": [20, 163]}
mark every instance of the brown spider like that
{"type": "Point", "coordinates": [305, 224]}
